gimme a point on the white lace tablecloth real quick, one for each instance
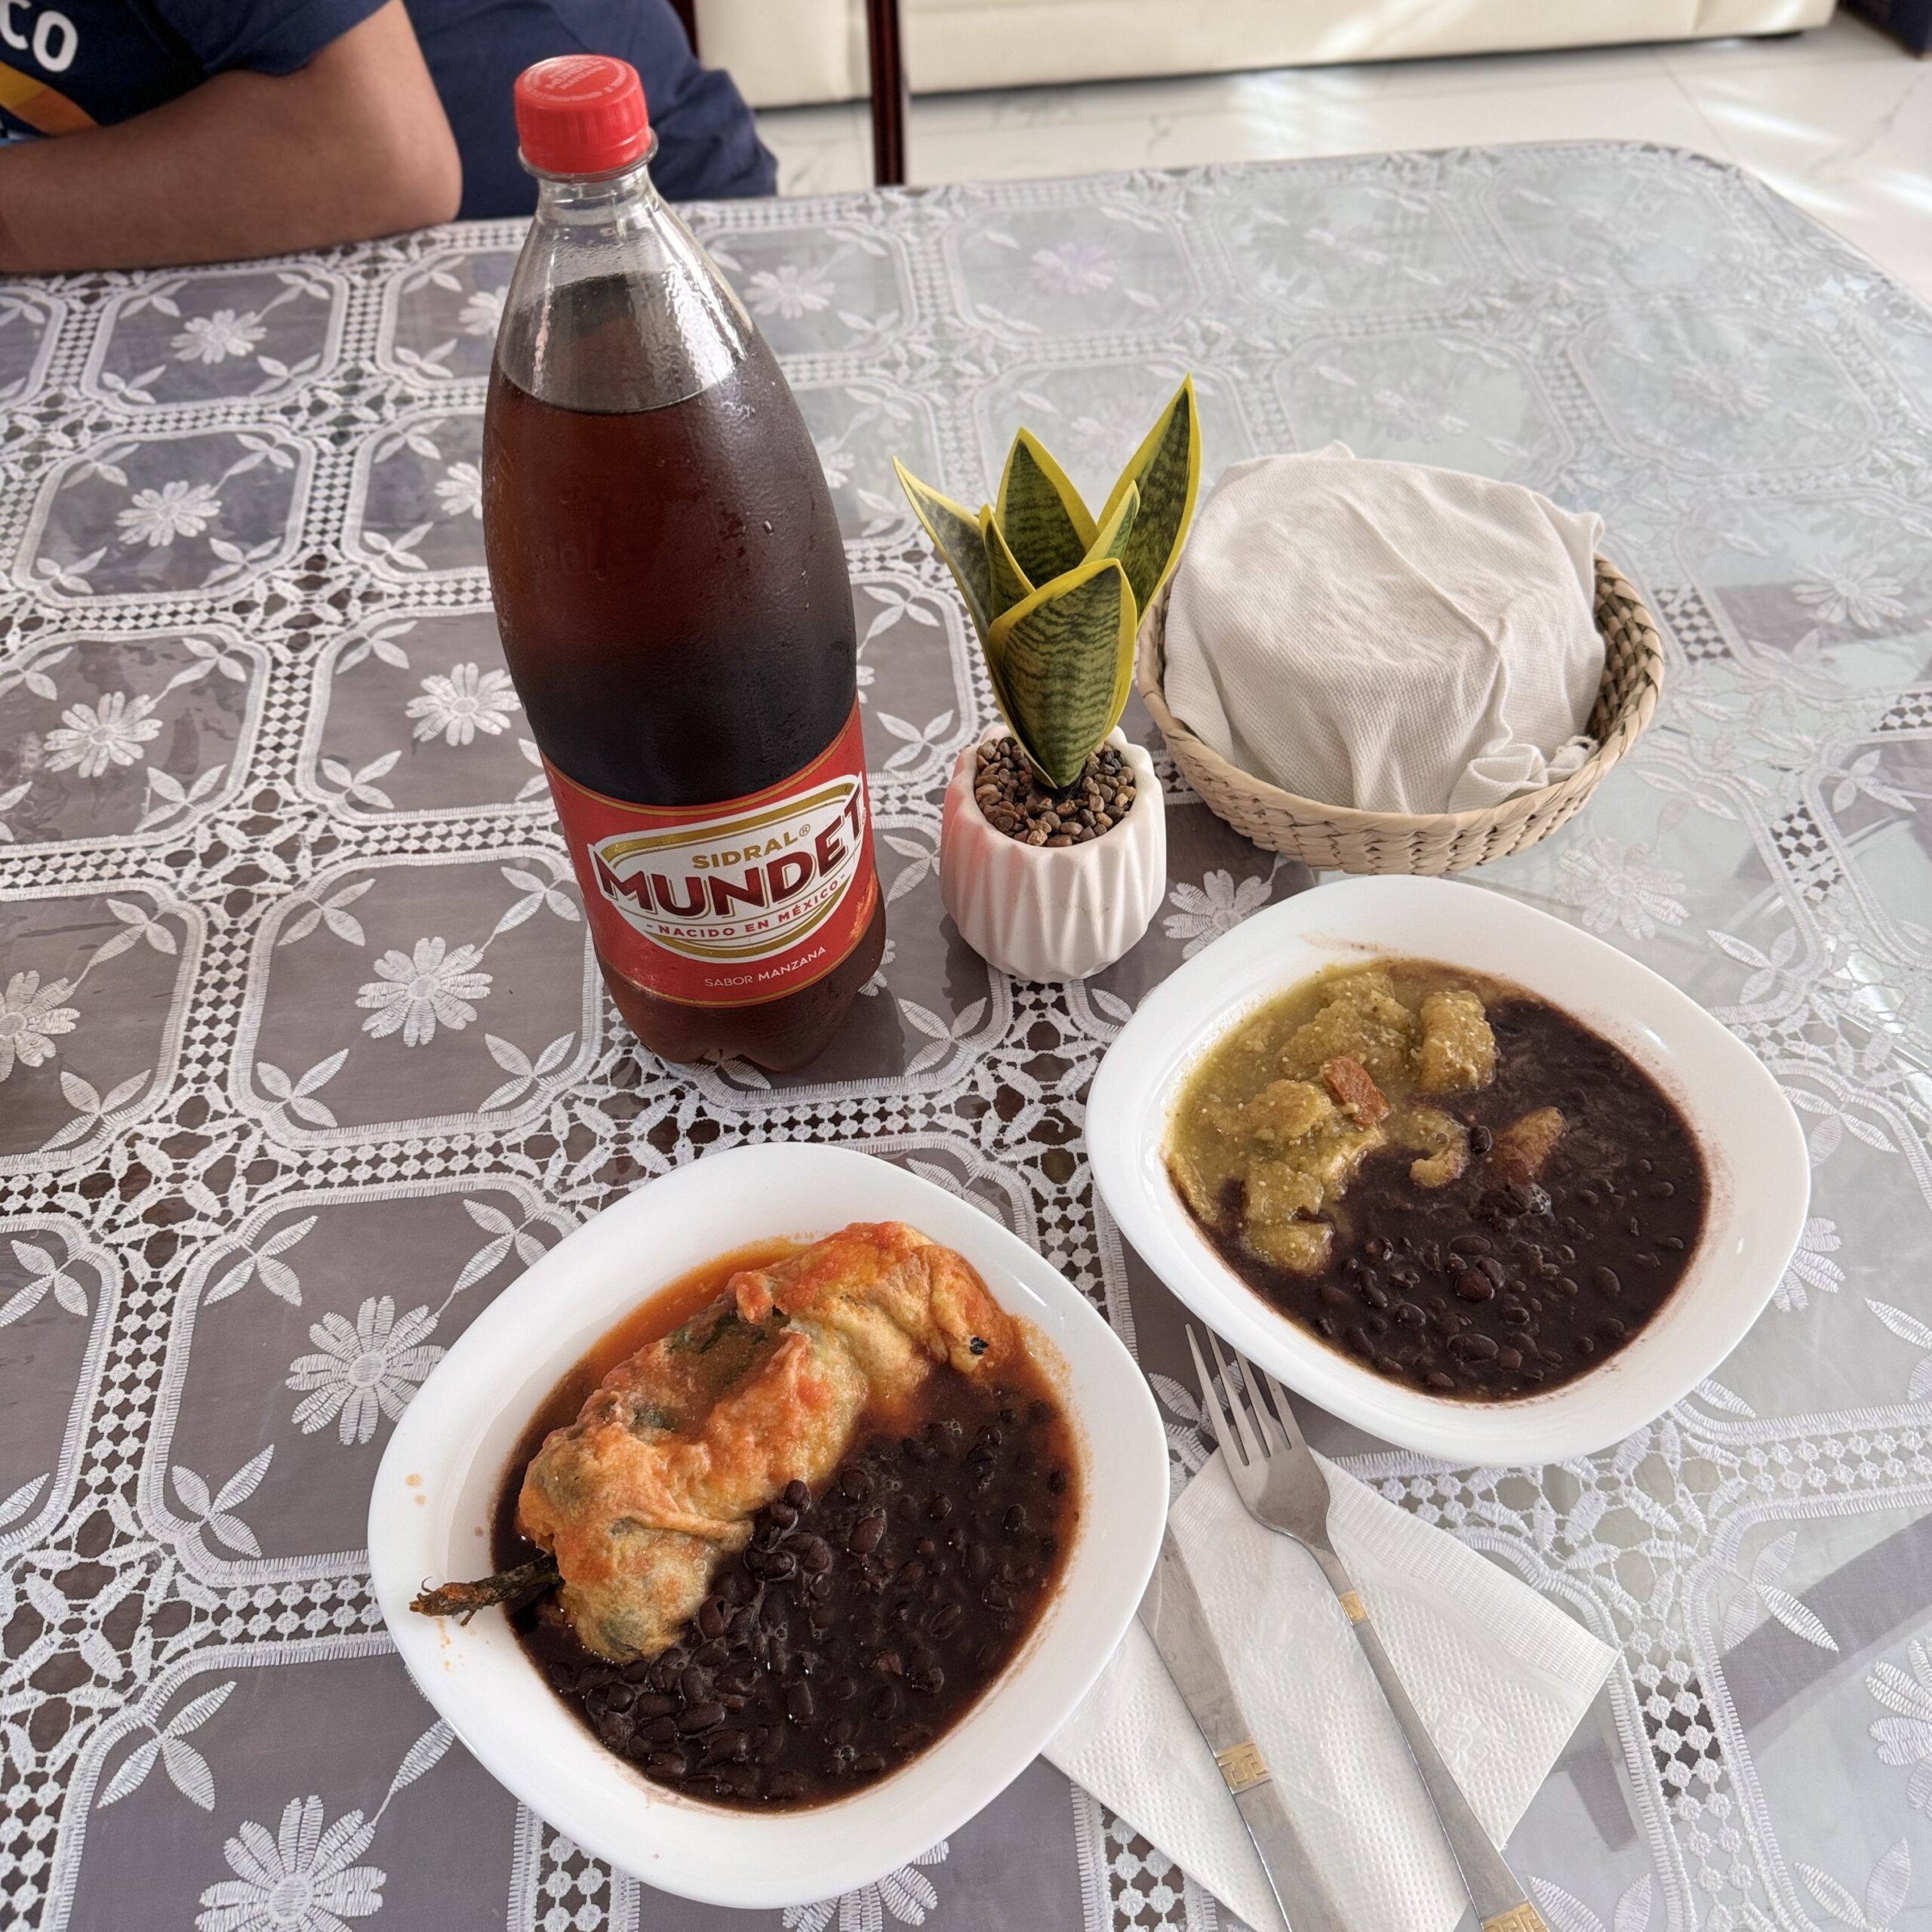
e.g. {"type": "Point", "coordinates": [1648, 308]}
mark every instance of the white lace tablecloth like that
{"type": "Point", "coordinates": [302, 1057]}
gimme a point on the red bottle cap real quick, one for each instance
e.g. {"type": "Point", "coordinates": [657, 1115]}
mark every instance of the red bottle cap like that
{"type": "Point", "coordinates": [581, 114]}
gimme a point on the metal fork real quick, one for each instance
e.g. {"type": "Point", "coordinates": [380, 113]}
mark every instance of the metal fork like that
{"type": "Point", "coordinates": [1276, 1474]}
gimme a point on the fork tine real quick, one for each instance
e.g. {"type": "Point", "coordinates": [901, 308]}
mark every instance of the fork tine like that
{"type": "Point", "coordinates": [1211, 1405]}
{"type": "Point", "coordinates": [1252, 1451]}
{"type": "Point", "coordinates": [1273, 1442]}
{"type": "Point", "coordinates": [1284, 1412]}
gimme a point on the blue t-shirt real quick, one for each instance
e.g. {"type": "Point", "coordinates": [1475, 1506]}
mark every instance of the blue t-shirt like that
{"type": "Point", "coordinates": [67, 65]}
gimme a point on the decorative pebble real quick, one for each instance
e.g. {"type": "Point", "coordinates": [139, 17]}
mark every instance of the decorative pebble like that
{"type": "Point", "coordinates": [1010, 793]}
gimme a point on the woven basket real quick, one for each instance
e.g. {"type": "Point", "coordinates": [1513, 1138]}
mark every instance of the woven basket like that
{"type": "Point", "coordinates": [1342, 838]}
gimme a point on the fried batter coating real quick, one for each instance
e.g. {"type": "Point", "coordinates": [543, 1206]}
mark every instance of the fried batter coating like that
{"type": "Point", "coordinates": [1458, 1050]}
{"type": "Point", "coordinates": [659, 1478]}
{"type": "Point", "coordinates": [1301, 1247]}
{"type": "Point", "coordinates": [1444, 1143]}
{"type": "Point", "coordinates": [1283, 1111]}
{"type": "Point", "coordinates": [1523, 1146]}
{"type": "Point", "coordinates": [1363, 1021]}
{"type": "Point", "coordinates": [1278, 1191]}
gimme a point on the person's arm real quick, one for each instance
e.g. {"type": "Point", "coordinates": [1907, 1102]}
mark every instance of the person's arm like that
{"type": "Point", "coordinates": [354, 144]}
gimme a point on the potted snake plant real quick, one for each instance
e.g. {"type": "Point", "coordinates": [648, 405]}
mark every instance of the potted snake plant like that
{"type": "Point", "coordinates": [1052, 847]}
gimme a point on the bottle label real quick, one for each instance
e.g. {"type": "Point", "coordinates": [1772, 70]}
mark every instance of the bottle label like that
{"type": "Point", "coordinates": [734, 904]}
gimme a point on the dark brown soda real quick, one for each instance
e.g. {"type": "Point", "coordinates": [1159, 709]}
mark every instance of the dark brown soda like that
{"type": "Point", "coordinates": [671, 588]}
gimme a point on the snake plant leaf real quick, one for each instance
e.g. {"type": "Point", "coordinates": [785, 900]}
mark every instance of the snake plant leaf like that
{"type": "Point", "coordinates": [1061, 653]}
{"type": "Point", "coordinates": [1166, 469]}
{"type": "Point", "coordinates": [1010, 582]}
{"type": "Point", "coordinates": [1117, 525]}
{"type": "Point", "coordinates": [955, 532]}
{"type": "Point", "coordinates": [1046, 527]}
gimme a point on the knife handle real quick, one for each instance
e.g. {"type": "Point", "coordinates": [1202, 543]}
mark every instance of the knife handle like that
{"type": "Point", "coordinates": [1298, 1887]}
{"type": "Point", "coordinates": [1493, 1887]}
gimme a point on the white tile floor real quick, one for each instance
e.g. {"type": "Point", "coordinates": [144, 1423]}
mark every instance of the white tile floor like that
{"type": "Point", "coordinates": [1839, 120]}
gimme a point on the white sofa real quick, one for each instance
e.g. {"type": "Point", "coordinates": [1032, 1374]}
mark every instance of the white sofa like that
{"type": "Point", "coordinates": [783, 52]}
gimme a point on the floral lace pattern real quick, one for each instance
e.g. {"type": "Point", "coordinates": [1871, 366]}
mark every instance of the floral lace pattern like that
{"type": "Point", "coordinates": [303, 1055]}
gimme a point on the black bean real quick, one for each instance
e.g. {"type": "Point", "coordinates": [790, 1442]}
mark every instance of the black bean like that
{"type": "Point", "coordinates": [885, 1704]}
{"type": "Point", "coordinates": [695, 1685]}
{"type": "Point", "coordinates": [841, 1689]}
{"type": "Point", "coordinates": [658, 1730]}
{"type": "Point", "coordinates": [840, 1730]}
{"type": "Point", "coordinates": [786, 1786]}
{"type": "Point", "coordinates": [1481, 1139]}
{"type": "Point", "coordinates": [615, 1728]}
{"type": "Point", "coordinates": [1374, 1293]}
{"type": "Point", "coordinates": [619, 1697]}
{"type": "Point", "coordinates": [1409, 1314]}
{"type": "Point", "coordinates": [1015, 1521]}
{"type": "Point", "coordinates": [1606, 1278]}
{"type": "Point", "coordinates": [866, 1533]}
{"type": "Point", "coordinates": [1472, 1347]}
{"type": "Point", "coordinates": [782, 1514]}
{"type": "Point", "coordinates": [702, 1717]}
{"type": "Point", "coordinates": [664, 1765]}
{"type": "Point", "coordinates": [1475, 1286]}
{"type": "Point", "coordinates": [1437, 1381]}
{"type": "Point", "coordinates": [711, 1617]}
{"type": "Point", "coordinates": [797, 1495]}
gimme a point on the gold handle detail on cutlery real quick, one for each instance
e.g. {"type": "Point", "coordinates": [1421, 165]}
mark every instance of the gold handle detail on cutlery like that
{"type": "Point", "coordinates": [1524, 1917]}
{"type": "Point", "coordinates": [1357, 1612]}
{"type": "Point", "coordinates": [1243, 1767]}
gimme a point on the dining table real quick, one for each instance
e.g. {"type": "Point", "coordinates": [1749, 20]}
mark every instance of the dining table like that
{"type": "Point", "coordinates": [304, 1055]}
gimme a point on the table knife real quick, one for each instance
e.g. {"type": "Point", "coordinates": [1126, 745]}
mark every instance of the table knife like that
{"type": "Point", "coordinates": [1172, 1612]}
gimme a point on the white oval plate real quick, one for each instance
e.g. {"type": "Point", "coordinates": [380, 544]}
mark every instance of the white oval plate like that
{"type": "Point", "coordinates": [429, 1518]}
{"type": "Point", "coordinates": [1760, 1177]}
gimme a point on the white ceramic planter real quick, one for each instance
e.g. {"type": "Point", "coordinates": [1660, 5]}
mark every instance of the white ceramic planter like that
{"type": "Point", "coordinates": [1053, 913]}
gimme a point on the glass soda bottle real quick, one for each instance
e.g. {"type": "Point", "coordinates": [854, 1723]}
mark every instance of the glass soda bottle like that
{"type": "Point", "coordinates": [671, 588]}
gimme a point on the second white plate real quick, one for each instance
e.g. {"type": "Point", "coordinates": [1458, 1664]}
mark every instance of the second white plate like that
{"type": "Point", "coordinates": [1760, 1177]}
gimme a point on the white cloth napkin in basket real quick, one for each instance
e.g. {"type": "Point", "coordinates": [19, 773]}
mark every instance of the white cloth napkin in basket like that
{"type": "Point", "coordinates": [1386, 635]}
{"type": "Point", "coordinates": [1501, 1678]}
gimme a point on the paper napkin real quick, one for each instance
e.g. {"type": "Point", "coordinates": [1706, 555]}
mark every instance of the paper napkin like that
{"type": "Point", "coordinates": [1501, 1678]}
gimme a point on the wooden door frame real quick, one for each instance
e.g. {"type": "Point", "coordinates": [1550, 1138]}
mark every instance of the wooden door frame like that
{"type": "Point", "coordinates": [885, 62]}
